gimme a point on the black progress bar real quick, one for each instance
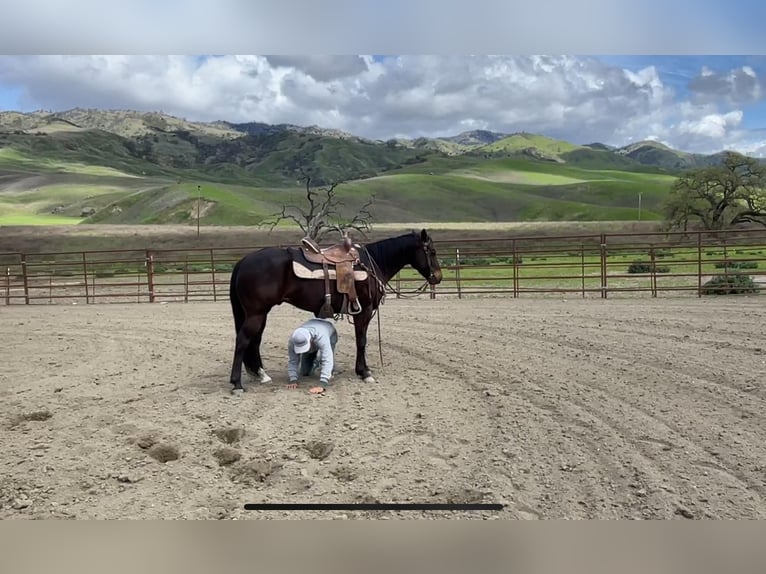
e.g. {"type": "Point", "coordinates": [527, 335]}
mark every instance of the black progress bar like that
{"type": "Point", "coordinates": [372, 506]}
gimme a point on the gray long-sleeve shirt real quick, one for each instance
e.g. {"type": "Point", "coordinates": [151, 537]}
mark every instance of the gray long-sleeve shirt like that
{"type": "Point", "coordinates": [322, 333]}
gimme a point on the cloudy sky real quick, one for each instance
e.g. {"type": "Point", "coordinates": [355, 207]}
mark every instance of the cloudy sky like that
{"type": "Point", "coordinates": [695, 103]}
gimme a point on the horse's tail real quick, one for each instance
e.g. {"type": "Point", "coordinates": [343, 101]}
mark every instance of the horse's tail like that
{"type": "Point", "coordinates": [249, 361]}
{"type": "Point", "coordinates": [236, 305]}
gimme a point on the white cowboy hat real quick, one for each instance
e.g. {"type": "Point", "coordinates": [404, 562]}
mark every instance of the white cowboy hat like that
{"type": "Point", "coordinates": [301, 339]}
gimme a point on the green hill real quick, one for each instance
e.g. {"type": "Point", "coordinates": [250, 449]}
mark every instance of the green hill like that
{"type": "Point", "coordinates": [131, 167]}
{"type": "Point", "coordinates": [475, 190]}
{"type": "Point", "coordinates": [657, 154]}
{"type": "Point", "coordinates": [533, 145]}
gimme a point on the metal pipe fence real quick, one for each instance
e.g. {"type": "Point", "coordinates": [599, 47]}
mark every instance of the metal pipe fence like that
{"type": "Point", "coordinates": [590, 265]}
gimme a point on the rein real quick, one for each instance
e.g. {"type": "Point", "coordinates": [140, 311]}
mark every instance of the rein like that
{"type": "Point", "coordinates": [373, 274]}
{"type": "Point", "coordinates": [414, 292]}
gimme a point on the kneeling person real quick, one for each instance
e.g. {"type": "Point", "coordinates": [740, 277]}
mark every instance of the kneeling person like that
{"type": "Point", "coordinates": [312, 346]}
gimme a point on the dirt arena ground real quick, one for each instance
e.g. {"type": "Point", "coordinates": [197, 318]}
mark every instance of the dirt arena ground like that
{"type": "Point", "coordinates": [556, 408]}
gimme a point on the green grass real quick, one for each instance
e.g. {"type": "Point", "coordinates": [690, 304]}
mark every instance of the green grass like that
{"type": "Point", "coordinates": [549, 270]}
{"type": "Point", "coordinates": [14, 159]}
{"type": "Point", "coordinates": [494, 191]}
{"type": "Point", "coordinates": [37, 219]}
{"type": "Point", "coordinates": [33, 202]}
{"type": "Point", "coordinates": [454, 197]}
{"type": "Point", "coordinates": [253, 180]}
{"type": "Point", "coordinates": [542, 271]}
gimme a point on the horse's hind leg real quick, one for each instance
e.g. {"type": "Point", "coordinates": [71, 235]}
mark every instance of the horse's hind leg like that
{"type": "Point", "coordinates": [250, 331]}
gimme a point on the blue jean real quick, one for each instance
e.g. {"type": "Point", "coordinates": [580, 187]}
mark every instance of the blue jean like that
{"type": "Point", "coordinates": [309, 360]}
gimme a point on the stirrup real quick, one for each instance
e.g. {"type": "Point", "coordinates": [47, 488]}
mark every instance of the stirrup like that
{"type": "Point", "coordinates": [351, 307]}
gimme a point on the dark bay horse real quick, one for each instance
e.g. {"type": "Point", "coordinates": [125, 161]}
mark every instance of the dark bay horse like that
{"type": "Point", "coordinates": [265, 278]}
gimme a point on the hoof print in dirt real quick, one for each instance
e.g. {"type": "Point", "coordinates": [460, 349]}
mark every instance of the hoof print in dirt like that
{"type": "Point", "coordinates": [343, 474]}
{"type": "Point", "coordinates": [42, 415]}
{"type": "Point", "coordinates": [229, 435]}
{"type": "Point", "coordinates": [227, 455]}
{"type": "Point", "coordinates": [164, 452]}
{"type": "Point", "coordinates": [127, 478]}
{"type": "Point", "coordinates": [253, 471]}
{"type": "Point", "coordinates": [319, 450]}
{"type": "Point", "coordinates": [146, 441]}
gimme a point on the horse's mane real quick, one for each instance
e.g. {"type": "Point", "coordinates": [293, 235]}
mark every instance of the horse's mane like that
{"type": "Point", "coordinates": [383, 249]}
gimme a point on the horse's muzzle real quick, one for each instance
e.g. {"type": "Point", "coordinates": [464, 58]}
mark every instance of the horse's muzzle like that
{"type": "Point", "coordinates": [435, 278]}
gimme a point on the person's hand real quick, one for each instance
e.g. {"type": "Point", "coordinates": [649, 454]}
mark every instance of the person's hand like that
{"type": "Point", "coordinates": [320, 389]}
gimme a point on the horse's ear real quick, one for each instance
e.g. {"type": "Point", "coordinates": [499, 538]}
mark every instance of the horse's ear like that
{"type": "Point", "coordinates": [423, 235]}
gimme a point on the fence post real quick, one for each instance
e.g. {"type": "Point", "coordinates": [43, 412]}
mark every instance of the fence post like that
{"type": "Point", "coordinates": [186, 279]}
{"type": "Point", "coordinates": [603, 266]}
{"type": "Point", "coordinates": [515, 269]}
{"type": "Point", "coordinates": [85, 278]}
{"type": "Point", "coordinates": [582, 267]}
{"type": "Point", "coordinates": [25, 277]}
{"type": "Point", "coordinates": [7, 286]}
{"type": "Point", "coordinates": [653, 274]}
{"type": "Point", "coordinates": [457, 272]}
{"type": "Point", "coordinates": [150, 274]}
{"type": "Point", "coordinates": [699, 264]}
{"type": "Point", "coordinates": [212, 266]}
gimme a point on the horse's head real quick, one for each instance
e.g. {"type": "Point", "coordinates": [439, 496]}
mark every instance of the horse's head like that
{"type": "Point", "coordinates": [425, 260]}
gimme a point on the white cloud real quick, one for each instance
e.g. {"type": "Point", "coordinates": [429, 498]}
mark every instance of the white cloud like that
{"type": "Point", "coordinates": [712, 125]}
{"type": "Point", "coordinates": [579, 99]}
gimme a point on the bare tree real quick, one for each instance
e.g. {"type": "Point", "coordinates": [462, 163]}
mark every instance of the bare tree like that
{"type": "Point", "coordinates": [322, 214]}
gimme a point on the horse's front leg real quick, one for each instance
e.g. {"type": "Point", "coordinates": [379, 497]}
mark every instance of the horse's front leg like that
{"type": "Point", "coordinates": [361, 322]}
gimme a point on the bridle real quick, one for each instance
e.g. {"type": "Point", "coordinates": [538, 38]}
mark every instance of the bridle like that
{"type": "Point", "coordinates": [398, 292]}
{"type": "Point", "coordinates": [429, 260]}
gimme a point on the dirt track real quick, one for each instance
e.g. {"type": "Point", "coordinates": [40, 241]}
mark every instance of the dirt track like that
{"type": "Point", "coordinates": [558, 409]}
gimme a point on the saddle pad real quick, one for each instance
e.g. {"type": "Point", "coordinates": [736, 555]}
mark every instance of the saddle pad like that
{"type": "Point", "coordinates": [304, 272]}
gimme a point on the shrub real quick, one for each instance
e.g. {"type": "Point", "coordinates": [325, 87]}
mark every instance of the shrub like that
{"type": "Point", "coordinates": [736, 265]}
{"type": "Point", "coordinates": [509, 260]}
{"type": "Point", "coordinates": [646, 267]}
{"type": "Point", "coordinates": [730, 285]}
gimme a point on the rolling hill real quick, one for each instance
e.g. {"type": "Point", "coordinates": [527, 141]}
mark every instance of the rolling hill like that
{"type": "Point", "coordinates": [115, 166]}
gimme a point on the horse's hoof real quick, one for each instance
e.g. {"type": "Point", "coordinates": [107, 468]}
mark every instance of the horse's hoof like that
{"type": "Point", "coordinates": [237, 392]}
{"type": "Point", "coordinates": [369, 379]}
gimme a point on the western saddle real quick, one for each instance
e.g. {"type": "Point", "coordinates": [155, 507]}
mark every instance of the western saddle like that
{"type": "Point", "coordinates": [343, 257]}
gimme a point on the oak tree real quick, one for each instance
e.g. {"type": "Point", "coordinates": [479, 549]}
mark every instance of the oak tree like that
{"type": "Point", "coordinates": [721, 196]}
